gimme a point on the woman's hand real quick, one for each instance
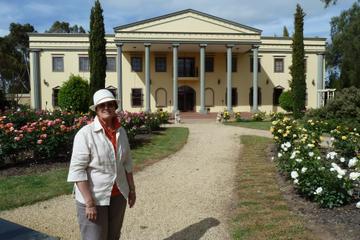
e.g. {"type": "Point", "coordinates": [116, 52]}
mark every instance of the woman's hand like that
{"type": "Point", "coordinates": [91, 213]}
{"type": "Point", "coordinates": [132, 198]}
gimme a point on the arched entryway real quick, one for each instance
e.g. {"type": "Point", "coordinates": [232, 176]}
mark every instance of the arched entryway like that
{"type": "Point", "coordinates": [186, 98]}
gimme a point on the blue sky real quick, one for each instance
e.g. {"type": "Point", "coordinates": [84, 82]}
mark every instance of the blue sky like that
{"type": "Point", "coordinates": [267, 15]}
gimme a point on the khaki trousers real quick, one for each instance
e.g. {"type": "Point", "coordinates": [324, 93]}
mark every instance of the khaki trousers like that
{"type": "Point", "coordinates": [108, 223]}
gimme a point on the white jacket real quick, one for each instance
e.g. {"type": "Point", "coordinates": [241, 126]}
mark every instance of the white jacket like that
{"type": "Point", "coordinates": [93, 159]}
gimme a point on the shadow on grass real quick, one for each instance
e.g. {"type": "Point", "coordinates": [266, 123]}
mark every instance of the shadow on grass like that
{"type": "Point", "coordinates": [195, 231]}
{"type": "Point", "coordinates": [145, 138]}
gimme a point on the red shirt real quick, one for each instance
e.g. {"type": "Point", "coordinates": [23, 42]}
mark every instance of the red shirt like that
{"type": "Point", "coordinates": [111, 134]}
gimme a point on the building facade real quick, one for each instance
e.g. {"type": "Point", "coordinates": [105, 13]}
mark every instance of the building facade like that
{"type": "Point", "coordinates": [186, 61]}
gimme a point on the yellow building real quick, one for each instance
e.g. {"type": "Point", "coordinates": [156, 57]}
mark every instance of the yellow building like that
{"type": "Point", "coordinates": [179, 61]}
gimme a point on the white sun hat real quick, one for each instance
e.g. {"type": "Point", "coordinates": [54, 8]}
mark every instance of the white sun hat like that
{"type": "Point", "coordinates": [101, 96]}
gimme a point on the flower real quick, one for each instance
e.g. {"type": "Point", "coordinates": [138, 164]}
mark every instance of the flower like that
{"type": "Point", "coordinates": [311, 154]}
{"type": "Point", "coordinates": [354, 175]}
{"type": "Point", "coordinates": [331, 155]}
{"type": "Point", "coordinates": [358, 204]}
{"type": "Point", "coordinates": [342, 159]}
{"type": "Point", "coordinates": [304, 169]}
{"type": "Point", "coordinates": [298, 160]}
{"type": "Point", "coordinates": [294, 174]}
{"type": "Point", "coordinates": [352, 162]}
{"type": "Point", "coordinates": [335, 167]}
{"type": "Point", "coordinates": [40, 141]}
{"type": "Point", "coordinates": [343, 138]}
{"type": "Point", "coordinates": [318, 190]}
{"type": "Point", "coordinates": [296, 181]}
{"type": "Point", "coordinates": [279, 155]}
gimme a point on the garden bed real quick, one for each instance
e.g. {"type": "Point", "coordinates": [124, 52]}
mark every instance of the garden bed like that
{"type": "Point", "coordinates": [330, 224]}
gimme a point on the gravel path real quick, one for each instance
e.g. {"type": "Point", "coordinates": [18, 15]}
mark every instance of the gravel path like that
{"type": "Point", "coordinates": [188, 195]}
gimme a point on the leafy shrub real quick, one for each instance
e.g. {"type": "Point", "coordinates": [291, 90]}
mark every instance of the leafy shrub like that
{"type": "Point", "coordinates": [344, 109]}
{"type": "Point", "coordinates": [74, 95]}
{"type": "Point", "coordinates": [331, 179]}
{"type": "Point", "coordinates": [286, 101]}
{"type": "Point", "coordinates": [259, 116]}
{"type": "Point", "coordinates": [2, 100]}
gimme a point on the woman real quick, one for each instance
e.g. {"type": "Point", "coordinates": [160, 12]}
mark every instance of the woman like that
{"type": "Point", "coordinates": [101, 168]}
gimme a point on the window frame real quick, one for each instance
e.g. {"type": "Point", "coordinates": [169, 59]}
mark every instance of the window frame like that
{"type": "Point", "coordinates": [276, 69]}
{"type": "Point", "coordinates": [80, 65]}
{"type": "Point", "coordinates": [62, 63]}
{"type": "Point", "coordinates": [140, 95]}
{"type": "Point", "coordinates": [209, 63]}
{"type": "Point", "coordinates": [132, 59]}
{"type": "Point", "coordinates": [157, 59]}
{"type": "Point", "coordinates": [107, 64]}
{"type": "Point", "coordinates": [191, 72]}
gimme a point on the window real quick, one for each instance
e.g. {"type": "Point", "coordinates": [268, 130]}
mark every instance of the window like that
{"type": "Point", "coordinates": [233, 64]}
{"type": "Point", "coordinates": [305, 65]}
{"type": "Point", "coordinates": [209, 64]}
{"type": "Point", "coordinates": [278, 65]}
{"type": "Point", "coordinates": [234, 97]}
{"type": "Point", "coordinates": [55, 94]}
{"type": "Point", "coordinates": [58, 63]}
{"type": "Point", "coordinates": [276, 95]}
{"type": "Point", "coordinates": [84, 65]}
{"type": "Point", "coordinates": [111, 64]}
{"type": "Point", "coordinates": [186, 67]}
{"type": "Point", "coordinates": [136, 97]}
{"type": "Point", "coordinates": [252, 65]}
{"type": "Point", "coordinates": [160, 64]}
{"type": "Point", "coordinates": [136, 64]}
{"type": "Point", "coordinates": [251, 96]}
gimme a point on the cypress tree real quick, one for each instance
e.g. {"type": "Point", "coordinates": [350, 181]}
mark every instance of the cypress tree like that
{"type": "Point", "coordinates": [298, 83]}
{"type": "Point", "coordinates": [285, 32]}
{"type": "Point", "coordinates": [97, 50]}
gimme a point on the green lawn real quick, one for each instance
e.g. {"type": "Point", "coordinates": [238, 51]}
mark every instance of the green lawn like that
{"type": "Point", "coordinates": [261, 212]}
{"type": "Point", "coordinates": [265, 125]}
{"type": "Point", "coordinates": [26, 189]}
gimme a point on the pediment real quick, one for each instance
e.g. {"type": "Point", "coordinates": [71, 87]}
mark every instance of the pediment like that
{"type": "Point", "coordinates": [189, 21]}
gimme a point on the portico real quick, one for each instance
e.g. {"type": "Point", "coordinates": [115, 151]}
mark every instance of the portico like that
{"type": "Point", "coordinates": [157, 36]}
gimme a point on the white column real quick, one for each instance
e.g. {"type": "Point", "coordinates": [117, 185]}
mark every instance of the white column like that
{"type": "Point", "coordinates": [35, 75]}
{"type": "Point", "coordinates": [202, 78]}
{"type": "Point", "coordinates": [175, 76]}
{"type": "Point", "coordinates": [147, 77]}
{"type": "Point", "coordinates": [119, 76]}
{"type": "Point", "coordinates": [229, 80]}
{"type": "Point", "coordinates": [255, 78]}
{"type": "Point", "coordinates": [320, 79]}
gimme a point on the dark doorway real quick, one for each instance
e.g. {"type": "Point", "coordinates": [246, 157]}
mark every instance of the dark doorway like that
{"type": "Point", "coordinates": [186, 98]}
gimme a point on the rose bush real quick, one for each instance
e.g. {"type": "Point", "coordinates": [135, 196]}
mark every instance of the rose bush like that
{"type": "Point", "coordinates": [43, 136]}
{"type": "Point", "coordinates": [329, 176]}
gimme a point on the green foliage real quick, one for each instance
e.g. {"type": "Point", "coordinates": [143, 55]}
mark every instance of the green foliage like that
{"type": "Point", "coordinates": [97, 50]}
{"type": "Point", "coordinates": [321, 177]}
{"type": "Point", "coordinates": [343, 51]}
{"type": "Point", "coordinates": [328, 2]}
{"type": "Point", "coordinates": [2, 100]}
{"type": "Point", "coordinates": [13, 54]}
{"type": "Point", "coordinates": [344, 109]}
{"type": "Point", "coordinates": [285, 32]}
{"type": "Point", "coordinates": [286, 101]}
{"type": "Point", "coordinates": [259, 116]}
{"type": "Point", "coordinates": [298, 84]}
{"type": "Point", "coordinates": [74, 94]}
{"type": "Point", "coordinates": [64, 27]}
